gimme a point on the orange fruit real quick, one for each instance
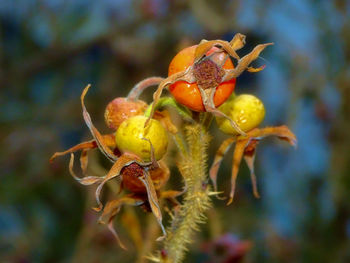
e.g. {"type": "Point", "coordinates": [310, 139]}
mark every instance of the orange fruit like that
{"type": "Point", "coordinates": [188, 94]}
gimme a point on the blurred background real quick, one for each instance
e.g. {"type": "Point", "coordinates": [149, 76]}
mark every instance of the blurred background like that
{"type": "Point", "coordinates": [50, 49]}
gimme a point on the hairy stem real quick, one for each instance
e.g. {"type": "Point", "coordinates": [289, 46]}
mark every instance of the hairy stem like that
{"type": "Point", "coordinates": [196, 199]}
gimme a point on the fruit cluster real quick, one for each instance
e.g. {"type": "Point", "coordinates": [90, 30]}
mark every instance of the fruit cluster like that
{"type": "Point", "coordinates": [201, 78]}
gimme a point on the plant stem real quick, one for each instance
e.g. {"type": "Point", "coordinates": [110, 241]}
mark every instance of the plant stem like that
{"type": "Point", "coordinates": [193, 167]}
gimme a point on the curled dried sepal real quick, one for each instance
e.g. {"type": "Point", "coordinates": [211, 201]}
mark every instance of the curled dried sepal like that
{"type": "Point", "coordinates": [219, 156]}
{"type": "Point", "coordinates": [165, 119]}
{"type": "Point", "coordinates": [124, 160]}
{"type": "Point", "coordinates": [164, 84]}
{"type": "Point", "coordinates": [85, 147]}
{"type": "Point", "coordinates": [170, 102]}
{"type": "Point", "coordinates": [205, 45]}
{"type": "Point", "coordinates": [244, 63]}
{"type": "Point", "coordinates": [208, 101]}
{"type": "Point", "coordinates": [245, 147]}
{"type": "Point", "coordinates": [112, 208]}
{"type": "Point", "coordinates": [88, 180]}
{"type": "Point", "coordinates": [81, 146]}
{"type": "Point", "coordinates": [95, 133]}
{"type": "Point", "coordinates": [255, 70]}
{"type": "Point", "coordinates": [282, 132]}
{"type": "Point", "coordinates": [84, 160]}
{"type": "Point", "coordinates": [153, 201]}
{"type": "Point", "coordinates": [237, 42]}
{"type": "Point", "coordinates": [153, 157]}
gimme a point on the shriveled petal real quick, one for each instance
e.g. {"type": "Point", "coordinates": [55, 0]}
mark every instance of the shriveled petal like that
{"type": "Point", "coordinates": [88, 180]}
{"type": "Point", "coordinates": [213, 172]}
{"type": "Point", "coordinates": [95, 133]}
{"type": "Point", "coordinates": [153, 201]}
{"type": "Point", "coordinates": [123, 161]}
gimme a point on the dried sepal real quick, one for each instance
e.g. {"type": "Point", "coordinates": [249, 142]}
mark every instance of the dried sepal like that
{"type": "Point", "coordinates": [219, 156]}
{"type": "Point", "coordinates": [166, 83]}
{"type": "Point", "coordinates": [164, 118]}
{"type": "Point", "coordinates": [244, 62]}
{"type": "Point", "coordinates": [112, 208]}
{"type": "Point", "coordinates": [249, 159]}
{"type": "Point", "coordinates": [124, 160]}
{"type": "Point", "coordinates": [95, 133]}
{"type": "Point", "coordinates": [88, 180]}
{"type": "Point", "coordinates": [153, 201]}
{"type": "Point", "coordinates": [238, 41]}
{"type": "Point", "coordinates": [246, 147]}
{"type": "Point", "coordinates": [236, 161]}
{"type": "Point", "coordinates": [208, 102]}
{"type": "Point", "coordinates": [81, 146]}
{"type": "Point", "coordinates": [171, 196]}
{"type": "Point", "coordinates": [154, 162]}
{"type": "Point", "coordinates": [205, 46]}
{"type": "Point", "coordinates": [160, 175]}
{"type": "Point", "coordinates": [282, 132]}
{"type": "Point", "coordinates": [84, 160]}
{"type": "Point", "coordinates": [255, 70]}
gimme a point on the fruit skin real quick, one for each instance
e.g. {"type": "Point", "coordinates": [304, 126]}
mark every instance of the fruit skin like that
{"type": "Point", "coordinates": [130, 134]}
{"type": "Point", "coordinates": [120, 109]}
{"type": "Point", "coordinates": [189, 94]}
{"type": "Point", "coordinates": [246, 110]}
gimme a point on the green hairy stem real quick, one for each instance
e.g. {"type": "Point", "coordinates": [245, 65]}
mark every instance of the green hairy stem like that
{"type": "Point", "coordinates": [193, 167]}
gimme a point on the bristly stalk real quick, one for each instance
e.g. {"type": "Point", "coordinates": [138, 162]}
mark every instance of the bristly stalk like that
{"type": "Point", "coordinates": [193, 167]}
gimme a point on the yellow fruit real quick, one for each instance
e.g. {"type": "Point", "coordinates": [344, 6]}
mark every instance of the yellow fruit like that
{"type": "Point", "coordinates": [246, 110]}
{"type": "Point", "coordinates": [130, 134]}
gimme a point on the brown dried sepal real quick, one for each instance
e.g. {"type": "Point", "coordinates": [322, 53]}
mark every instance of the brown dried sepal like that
{"type": "Point", "coordinates": [246, 148]}
{"type": "Point", "coordinates": [164, 117]}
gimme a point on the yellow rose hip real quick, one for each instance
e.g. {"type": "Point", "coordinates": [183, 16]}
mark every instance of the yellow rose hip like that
{"type": "Point", "coordinates": [131, 134]}
{"type": "Point", "coordinates": [246, 110]}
